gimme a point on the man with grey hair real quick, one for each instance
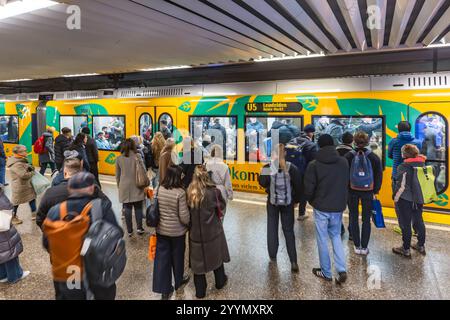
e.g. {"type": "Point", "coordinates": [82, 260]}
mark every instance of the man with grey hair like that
{"type": "Point", "coordinates": [22, 190]}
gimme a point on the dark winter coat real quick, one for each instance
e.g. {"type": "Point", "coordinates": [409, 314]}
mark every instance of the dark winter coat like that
{"type": "Point", "coordinates": [343, 149]}
{"type": "Point", "coordinates": [326, 181]}
{"type": "Point", "coordinates": [296, 181]}
{"type": "Point", "coordinates": [10, 245]}
{"type": "Point", "coordinates": [62, 143]}
{"type": "Point", "coordinates": [91, 151]}
{"type": "Point", "coordinates": [395, 148]}
{"type": "Point", "coordinates": [407, 186]}
{"type": "Point", "coordinates": [49, 151]}
{"type": "Point", "coordinates": [208, 245]}
{"type": "Point", "coordinates": [82, 151]}
{"type": "Point", "coordinates": [309, 148]}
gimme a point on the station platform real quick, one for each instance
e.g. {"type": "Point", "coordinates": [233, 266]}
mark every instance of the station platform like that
{"type": "Point", "coordinates": [381, 275]}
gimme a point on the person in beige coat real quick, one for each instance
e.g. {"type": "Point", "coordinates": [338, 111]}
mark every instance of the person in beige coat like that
{"type": "Point", "coordinates": [171, 234]}
{"type": "Point", "coordinates": [129, 193]}
{"type": "Point", "coordinates": [22, 190]}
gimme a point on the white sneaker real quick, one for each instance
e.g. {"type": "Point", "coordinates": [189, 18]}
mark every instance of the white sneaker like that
{"type": "Point", "coordinates": [357, 250]}
{"type": "Point", "coordinates": [24, 275]}
{"type": "Point", "coordinates": [4, 280]}
{"type": "Point", "coordinates": [364, 252]}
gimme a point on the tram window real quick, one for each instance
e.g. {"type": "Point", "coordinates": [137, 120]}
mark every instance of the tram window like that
{"type": "Point", "coordinates": [431, 130]}
{"type": "Point", "coordinates": [166, 125]}
{"type": "Point", "coordinates": [146, 127]}
{"type": "Point", "coordinates": [258, 140]}
{"type": "Point", "coordinates": [109, 131]}
{"type": "Point", "coordinates": [207, 131]}
{"type": "Point", "coordinates": [9, 129]}
{"type": "Point", "coordinates": [336, 126]}
{"type": "Point", "coordinates": [74, 123]}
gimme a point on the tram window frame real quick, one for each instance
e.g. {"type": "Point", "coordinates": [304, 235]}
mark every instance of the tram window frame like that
{"type": "Point", "coordinates": [247, 155]}
{"type": "Point", "coordinates": [72, 116]}
{"type": "Point", "coordinates": [18, 128]}
{"type": "Point", "coordinates": [383, 127]}
{"type": "Point", "coordinates": [159, 122]}
{"type": "Point", "coordinates": [151, 123]}
{"type": "Point", "coordinates": [110, 116]}
{"type": "Point", "coordinates": [218, 116]}
{"type": "Point", "coordinates": [446, 161]}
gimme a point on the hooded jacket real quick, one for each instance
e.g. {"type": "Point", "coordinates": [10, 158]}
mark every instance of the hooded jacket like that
{"type": "Point", "coordinates": [395, 148]}
{"type": "Point", "coordinates": [62, 144]}
{"type": "Point", "coordinates": [407, 185]}
{"type": "Point", "coordinates": [343, 149]}
{"type": "Point", "coordinates": [326, 181]}
{"type": "Point", "coordinates": [309, 149]}
{"type": "Point", "coordinates": [10, 245]}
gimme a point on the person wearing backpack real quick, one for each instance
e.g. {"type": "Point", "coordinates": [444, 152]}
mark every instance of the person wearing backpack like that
{"type": "Point", "coordinates": [62, 143]}
{"type": "Point", "coordinates": [335, 129]}
{"type": "Point", "coordinates": [282, 182]}
{"type": "Point", "coordinates": [47, 156]}
{"type": "Point", "coordinates": [414, 187]}
{"type": "Point", "coordinates": [64, 231]}
{"type": "Point", "coordinates": [171, 234]}
{"type": "Point", "coordinates": [366, 175]}
{"type": "Point", "coordinates": [91, 154]}
{"type": "Point", "coordinates": [326, 184]}
{"type": "Point", "coordinates": [301, 151]}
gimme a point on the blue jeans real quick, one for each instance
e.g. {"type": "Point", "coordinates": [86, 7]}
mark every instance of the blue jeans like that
{"type": "Point", "coordinates": [11, 270]}
{"type": "Point", "coordinates": [328, 226]}
{"type": "Point", "coordinates": [2, 170]}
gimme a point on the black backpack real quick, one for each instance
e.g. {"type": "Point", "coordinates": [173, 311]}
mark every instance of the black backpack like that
{"type": "Point", "coordinates": [103, 250]}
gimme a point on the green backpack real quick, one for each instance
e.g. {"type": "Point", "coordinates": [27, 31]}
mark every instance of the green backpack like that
{"type": "Point", "coordinates": [426, 179]}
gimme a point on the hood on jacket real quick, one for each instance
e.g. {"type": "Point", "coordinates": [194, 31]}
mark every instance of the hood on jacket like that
{"type": "Point", "coordinates": [405, 136]}
{"type": "Point", "coordinates": [13, 160]}
{"type": "Point", "coordinates": [419, 159]}
{"type": "Point", "coordinates": [328, 155]}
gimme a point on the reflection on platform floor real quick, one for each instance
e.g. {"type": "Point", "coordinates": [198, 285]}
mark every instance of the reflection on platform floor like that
{"type": "Point", "coordinates": [251, 275]}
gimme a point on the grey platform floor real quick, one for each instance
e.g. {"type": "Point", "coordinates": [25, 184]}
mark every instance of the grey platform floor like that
{"type": "Point", "coordinates": [381, 275]}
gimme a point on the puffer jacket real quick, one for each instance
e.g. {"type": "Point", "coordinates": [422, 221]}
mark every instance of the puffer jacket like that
{"type": "Point", "coordinates": [395, 148]}
{"type": "Point", "coordinates": [10, 245]}
{"type": "Point", "coordinates": [62, 143]}
{"type": "Point", "coordinates": [407, 186]}
{"type": "Point", "coordinates": [49, 153]}
{"type": "Point", "coordinates": [174, 213]}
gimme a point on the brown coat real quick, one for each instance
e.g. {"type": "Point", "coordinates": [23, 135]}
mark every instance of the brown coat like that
{"type": "Point", "coordinates": [21, 173]}
{"type": "Point", "coordinates": [126, 179]}
{"type": "Point", "coordinates": [165, 161]}
{"type": "Point", "coordinates": [208, 245]}
{"type": "Point", "coordinates": [174, 212]}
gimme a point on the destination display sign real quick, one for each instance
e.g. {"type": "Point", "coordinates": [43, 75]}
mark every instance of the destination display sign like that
{"type": "Point", "coordinates": [273, 107]}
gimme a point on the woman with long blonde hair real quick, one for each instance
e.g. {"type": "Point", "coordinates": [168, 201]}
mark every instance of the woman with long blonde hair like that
{"type": "Point", "coordinates": [282, 181]}
{"type": "Point", "coordinates": [167, 158]}
{"type": "Point", "coordinates": [157, 146]}
{"type": "Point", "coordinates": [208, 245]}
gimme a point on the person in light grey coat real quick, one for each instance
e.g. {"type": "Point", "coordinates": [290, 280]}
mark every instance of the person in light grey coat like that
{"type": "Point", "coordinates": [129, 193]}
{"type": "Point", "coordinates": [171, 234]}
{"type": "Point", "coordinates": [47, 159]}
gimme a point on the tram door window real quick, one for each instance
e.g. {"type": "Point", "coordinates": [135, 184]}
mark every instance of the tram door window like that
{"type": "Point", "coordinates": [74, 123]}
{"type": "Point", "coordinates": [431, 130]}
{"type": "Point", "coordinates": [146, 126]}
{"type": "Point", "coordinates": [258, 139]}
{"type": "Point", "coordinates": [165, 122]}
{"type": "Point", "coordinates": [207, 131]}
{"type": "Point", "coordinates": [336, 126]}
{"type": "Point", "coordinates": [109, 131]}
{"type": "Point", "coordinates": [9, 129]}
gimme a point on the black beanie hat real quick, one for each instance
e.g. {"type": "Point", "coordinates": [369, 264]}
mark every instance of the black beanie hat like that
{"type": "Point", "coordinates": [81, 180]}
{"type": "Point", "coordinates": [325, 140]}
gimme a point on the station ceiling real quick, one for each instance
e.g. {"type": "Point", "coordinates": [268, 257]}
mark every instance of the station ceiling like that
{"type": "Point", "coordinates": [119, 36]}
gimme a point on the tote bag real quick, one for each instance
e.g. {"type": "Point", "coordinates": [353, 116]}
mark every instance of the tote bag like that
{"type": "Point", "coordinates": [39, 183]}
{"type": "Point", "coordinates": [142, 180]}
{"type": "Point", "coordinates": [377, 214]}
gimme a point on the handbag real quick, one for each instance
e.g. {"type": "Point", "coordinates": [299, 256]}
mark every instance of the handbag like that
{"type": "Point", "coordinates": [152, 247]}
{"type": "Point", "coordinates": [5, 220]}
{"type": "Point", "coordinates": [377, 214]}
{"type": "Point", "coordinates": [39, 183]}
{"type": "Point", "coordinates": [142, 180]}
{"type": "Point", "coordinates": [152, 214]}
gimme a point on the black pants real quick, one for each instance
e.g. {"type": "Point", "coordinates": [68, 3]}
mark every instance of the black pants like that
{"type": "Point", "coordinates": [62, 292]}
{"type": "Point", "coordinates": [128, 211]}
{"type": "Point", "coordinates": [169, 259]}
{"type": "Point", "coordinates": [286, 213]}
{"type": "Point", "coordinates": [94, 170]}
{"type": "Point", "coordinates": [44, 167]}
{"type": "Point", "coordinates": [32, 204]}
{"type": "Point", "coordinates": [302, 207]}
{"type": "Point", "coordinates": [361, 240]}
{"type": "Point", "coordinates": [201, 284]}
{"type": "Point", "coordinates": [59, 166]}
{"type": "Point", "coordinates": [410, 213]}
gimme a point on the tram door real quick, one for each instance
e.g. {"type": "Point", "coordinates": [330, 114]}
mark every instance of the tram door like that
{"type": "Point", "coordinates": [430, 126]}
{"type": "Point", "coordinates": [153, 119]}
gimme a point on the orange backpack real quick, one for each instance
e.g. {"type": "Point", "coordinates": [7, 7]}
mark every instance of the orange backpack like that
{"type": "Point", "coordinates": [65, 240]}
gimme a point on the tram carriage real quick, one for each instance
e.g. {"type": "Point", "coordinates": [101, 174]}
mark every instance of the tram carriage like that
{"type": "Point", "coordinates": [246, 110]}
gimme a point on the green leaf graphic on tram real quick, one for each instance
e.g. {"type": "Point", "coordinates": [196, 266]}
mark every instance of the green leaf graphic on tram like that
{"type": "Point", "coordinates": [52, 117]}
{"type": "Point", "coordinates": [21, 110]}
{"type": "Point", "coordinates": [238, 108]}
{"type": "Point", "coordinates": [90, 109]}
{"type": "Point", "coordinates": [111, 159]}
{"type": "Point", "coordinates": [2, 108]}
{"type": "Point", "coordinates": [443, 200]}
{"type": "Point", "coordinates": [185, 106]}
{"type": "Point", "coordinates": [212, 105]}
{"type": "Point", "coordinates": [309, 102]}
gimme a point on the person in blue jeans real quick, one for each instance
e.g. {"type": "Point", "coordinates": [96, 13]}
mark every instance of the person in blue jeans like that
{"type": "Point", "coordinates": [2, 164]}
{"type": "Point", "coordinates": [326, 183]}
{"type": "Point", "coordinates": [10, 249]}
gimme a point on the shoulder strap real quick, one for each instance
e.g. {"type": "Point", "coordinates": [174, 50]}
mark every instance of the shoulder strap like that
{"type": "Point", "coordinates": [96, 209]}
{"type": "Point", "coordinates": [63, 210]}
{"type": "Point", "coordinates": [86, 209]}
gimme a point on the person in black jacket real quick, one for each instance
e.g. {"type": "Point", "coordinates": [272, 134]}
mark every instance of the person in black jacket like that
{"type": "Point", "coordinates": [282, 182]}
{"type": "Point", "coordinates": [79, 146]}
{"type": "Point", "coordinates": [326, 184]}
{"type": "Point", "coordinates": [2, 164]}
{"type": "Point", "coordinates": [361, 242]}
{"type": "Point", "coordinates": [92, 154]}
{"type": "Point", "coordinates": [214, 135]}
{"type": "Point", "coordinates": [62, 143]}
{"type": "Point", "coordinates": [343, 149]}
